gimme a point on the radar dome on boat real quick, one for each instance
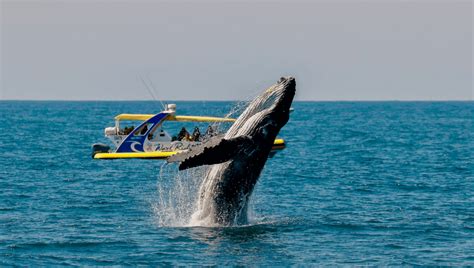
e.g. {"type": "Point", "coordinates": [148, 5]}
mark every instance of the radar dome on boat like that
{"type": "Point", "coordinates": [109, 131]}
{"type": "Point", "coordinates": [171, 108]}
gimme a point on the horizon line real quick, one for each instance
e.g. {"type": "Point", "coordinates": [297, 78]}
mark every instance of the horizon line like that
{"type": "Point", "coordinates": [202, 100]}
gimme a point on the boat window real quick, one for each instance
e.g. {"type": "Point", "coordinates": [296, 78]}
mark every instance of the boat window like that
{"type": "Point", "coordinates": [126, 130]}
{"type": "Point", "coordinates": [143, 129]}
{"type": "Point", "coordinates": [160, 135]}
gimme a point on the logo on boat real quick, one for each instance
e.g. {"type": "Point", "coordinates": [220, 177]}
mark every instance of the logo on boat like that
{"type": "Point", "coordinates": [169, 147]}
{"type": "Point", "coordinates": [133, 144]}
{"type": "Point", "coordinates": [175, 146]}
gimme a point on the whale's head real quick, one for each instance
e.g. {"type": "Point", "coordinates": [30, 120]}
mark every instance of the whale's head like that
{"type": "Point", "coordinates": [270, 110]}
{"type": "Point", "coordinates": [282, 94]}
{"type": "Point", "coordinates": [273, 103]}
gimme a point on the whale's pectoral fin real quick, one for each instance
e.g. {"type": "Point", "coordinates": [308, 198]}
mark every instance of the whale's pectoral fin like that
{"type": "Point", "coordinates": [213, 152]}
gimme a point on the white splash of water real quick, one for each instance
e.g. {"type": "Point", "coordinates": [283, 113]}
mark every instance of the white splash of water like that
{"type": "Point", "coordinates": [176, 195]}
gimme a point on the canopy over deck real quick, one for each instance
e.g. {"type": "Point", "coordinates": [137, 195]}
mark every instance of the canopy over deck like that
{"type": "Point", "coordinates": [180, 118]}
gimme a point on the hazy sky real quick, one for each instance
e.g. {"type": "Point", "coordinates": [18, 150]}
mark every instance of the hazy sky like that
{"type": "Point", "coordinates": [337, 50]}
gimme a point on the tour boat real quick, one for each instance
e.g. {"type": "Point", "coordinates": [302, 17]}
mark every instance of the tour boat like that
{"type": "Point", "coordinates": [151, 138]}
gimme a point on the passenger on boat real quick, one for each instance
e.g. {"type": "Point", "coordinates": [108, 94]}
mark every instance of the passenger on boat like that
{"type": "Point", "coordinates": [127, 130]}
{"type": "Point", "coordinates": [184, 135]}
{"type": "Point", "coordinates": [144, 130]}
{"type": "Point", "coordinates": [196, 134]}
{"type": "Point", "coordinates": [210, 131]}
{"type": "Point", "coordinates": [187, 137]}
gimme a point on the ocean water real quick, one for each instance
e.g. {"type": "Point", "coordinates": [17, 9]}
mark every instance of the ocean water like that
{"type": "Point", "coordinates": [360, 183]}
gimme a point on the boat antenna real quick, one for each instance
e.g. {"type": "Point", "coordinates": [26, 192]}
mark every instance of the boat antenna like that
{"type": "Point", "coordinates": [150, 91]}
{"type": "Point", "coordinates": [154, 90]}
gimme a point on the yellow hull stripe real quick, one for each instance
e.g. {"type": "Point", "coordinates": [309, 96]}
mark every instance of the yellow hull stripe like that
{"type": "Point", "coordinates": [278, 145]}
{"type": "Point", "coordinates": [156, 154]}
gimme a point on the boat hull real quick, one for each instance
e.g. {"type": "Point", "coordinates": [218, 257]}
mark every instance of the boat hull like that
{"type": "Point", "coordinates": [277, 146]}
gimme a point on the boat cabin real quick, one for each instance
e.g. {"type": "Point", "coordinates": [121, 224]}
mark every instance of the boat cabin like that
{"type": "Point", "coordinates": [164, 132]}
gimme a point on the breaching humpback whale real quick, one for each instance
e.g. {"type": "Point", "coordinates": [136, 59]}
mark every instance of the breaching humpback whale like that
{"type": "Point", "coordinates": [238, 158]}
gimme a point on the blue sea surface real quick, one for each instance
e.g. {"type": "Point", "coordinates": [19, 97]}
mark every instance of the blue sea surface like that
{"type": "Point", "coordinates": [360, 183]}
